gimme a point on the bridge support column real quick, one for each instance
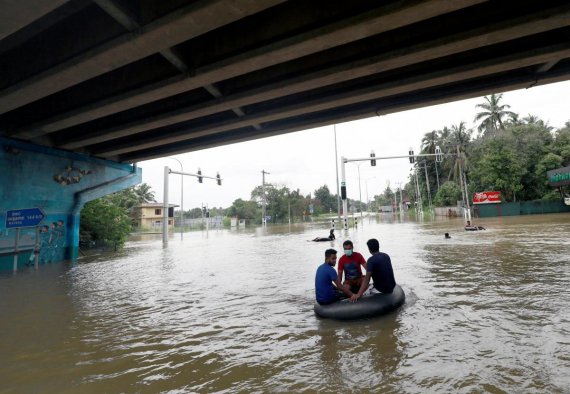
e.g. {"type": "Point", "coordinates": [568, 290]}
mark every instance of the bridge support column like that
{"type": "Point", "coordinates": [42, 192]}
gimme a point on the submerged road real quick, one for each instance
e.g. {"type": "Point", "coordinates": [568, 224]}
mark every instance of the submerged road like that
{"type": "Point", "coordinates": [228, 311]}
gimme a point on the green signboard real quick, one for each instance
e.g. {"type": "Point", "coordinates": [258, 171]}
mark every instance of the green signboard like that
{"type": "Point", "coordinates": [559, 177]}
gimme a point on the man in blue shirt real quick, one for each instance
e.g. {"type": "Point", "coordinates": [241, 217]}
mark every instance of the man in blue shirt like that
{"type": "Point", "coordinates": [379, 268]}
{"type": "Point", "coordinates": [325, 291]}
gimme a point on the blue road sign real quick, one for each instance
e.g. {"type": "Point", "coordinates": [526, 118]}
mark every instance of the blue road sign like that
{"type": "Point", "coordinates": [29, 217]}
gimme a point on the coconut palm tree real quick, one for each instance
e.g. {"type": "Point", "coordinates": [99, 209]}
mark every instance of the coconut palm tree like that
{"type": "Point", "coordinates": [429, 142]}
{"type": "Point", "coordinates": [443, 136]}
{"type": "Point", "coordinates": [491, 118]}
{"type": "Point", "coordinates": [460, 137]}
{"type": "Point", "coordinates": [144, 193]}
{"type": "Point", "coordinates": [535, 120]}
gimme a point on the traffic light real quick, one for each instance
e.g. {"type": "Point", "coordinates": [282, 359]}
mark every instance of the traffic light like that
{"type": "Point", "coordinates": [200, 177]}
{"type": "Point", "coordinates": [438, 154]}
{"type": "Point", "coordinates": [218, 179]}
{"type": "Point", "coordinates": [411, 154]}
{"type": "Point", "coordinates": [372, 162]}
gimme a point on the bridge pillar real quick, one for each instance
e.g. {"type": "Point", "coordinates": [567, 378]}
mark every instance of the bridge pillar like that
{"type": "Point", "coordinates": [58, 183]}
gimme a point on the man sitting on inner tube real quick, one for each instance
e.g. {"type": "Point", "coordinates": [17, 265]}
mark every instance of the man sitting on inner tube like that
{"type": "Point", "coordinates": [350, 264]}
{"type": "Point", "coordinates": [379, 268]}
{"type": "Point", "coordinates": [327, 283]}
{"type": "Point", "coordinates": [469, 227]}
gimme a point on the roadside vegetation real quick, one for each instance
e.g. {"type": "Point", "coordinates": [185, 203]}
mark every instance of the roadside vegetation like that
{"type": "Point", "coordinates": [107, 221]}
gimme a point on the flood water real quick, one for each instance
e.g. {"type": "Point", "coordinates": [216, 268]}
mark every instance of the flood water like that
{"type": "Point", "coordinates": [232, 311]}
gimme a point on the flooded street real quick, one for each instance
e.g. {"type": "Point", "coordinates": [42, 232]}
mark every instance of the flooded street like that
{"type": "Point", "coordinates": [232, 311]}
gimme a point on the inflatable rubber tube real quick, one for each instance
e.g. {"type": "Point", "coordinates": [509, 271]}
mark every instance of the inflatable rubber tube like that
{"type": "Point", "coordinates": [375, 304]}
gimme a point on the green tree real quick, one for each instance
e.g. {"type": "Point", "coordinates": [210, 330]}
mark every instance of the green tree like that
{"type": "Point", "coordinates": [500, 168]}
{"type": "Point", "coordinates": [328, 201]}
{"type": "Point", "coordinates": [561, 144]}
{"type": "Point", "coordinates": [144, 193]}
{"type": "Point", "coordinates": [549, 162]}
{"type": "Point", "coordinates": [244, 209]}
{"type": "Point", "coordinates": [491, 118]}
{"type": "Point", "coordinates": [102, 220]}
{"type": "Point", "coordinates": [448, 195]}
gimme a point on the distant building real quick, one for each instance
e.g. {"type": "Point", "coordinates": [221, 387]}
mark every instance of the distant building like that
{"type": "Point", "coordinates": [149, 216]}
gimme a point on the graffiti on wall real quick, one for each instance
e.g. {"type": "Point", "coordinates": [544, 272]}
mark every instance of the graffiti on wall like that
{"type": "Point", "coordinates": [47, 242]}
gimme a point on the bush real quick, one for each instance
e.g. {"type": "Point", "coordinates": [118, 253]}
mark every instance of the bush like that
{"type": "Point", "coordinates": [103, 221]}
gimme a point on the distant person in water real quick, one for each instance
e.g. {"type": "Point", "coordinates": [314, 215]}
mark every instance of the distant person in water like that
{"type": "Point", "coordinates": [470, 227]}
{"type": "Point", "coordinates": [331, 237]}
{"type": "Point", "coordinates": [447, 236]}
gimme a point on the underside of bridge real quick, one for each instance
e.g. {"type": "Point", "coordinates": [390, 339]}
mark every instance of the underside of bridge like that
{"type": "Point", "coordinates": [130, 80]}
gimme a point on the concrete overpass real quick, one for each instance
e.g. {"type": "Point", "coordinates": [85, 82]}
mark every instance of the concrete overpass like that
{"type": "Point", "coordinates": [128, 80]}
{"type": "Point", "coordinates": [88, 87]}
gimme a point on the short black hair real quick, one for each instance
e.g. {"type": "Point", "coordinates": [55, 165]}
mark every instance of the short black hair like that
{"type": "Point", "coordinates": [347, 242]}
{"type": "Point", "coordinates": [329, 252]}
{"type": "Point", "coordinates": [373, 245]}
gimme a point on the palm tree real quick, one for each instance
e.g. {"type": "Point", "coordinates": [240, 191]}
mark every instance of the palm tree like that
{"type": "Point", "coordinates": [429, 142]}
{"type": "Point", "coordinates": [144, 193]}
{"type": "Point", "coordinates": [535, 120]}
{"type": "Point", "coordinates": [443, 136]}
{"type": "Point", "coordinates": [492, 116]}
{"type": "Point", "coordinates": [514, 120]}
{"type": "Point", "coordinates": [460, 137]}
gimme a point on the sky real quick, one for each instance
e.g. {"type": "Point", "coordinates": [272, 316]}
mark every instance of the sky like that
{"type": "Point", "coordinates": [305, 160]}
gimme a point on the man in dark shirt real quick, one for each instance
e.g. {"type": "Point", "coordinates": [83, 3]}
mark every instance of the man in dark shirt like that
{"type": "Point", "coordinates": [379, 268]}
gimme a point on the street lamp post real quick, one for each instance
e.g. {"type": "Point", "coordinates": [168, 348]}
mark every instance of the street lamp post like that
{"type": "Point", "coordinates": [336, 168]}
{"type": "Point", "coordinates": [367, 195]}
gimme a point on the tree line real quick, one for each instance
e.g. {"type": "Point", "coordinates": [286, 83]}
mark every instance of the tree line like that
{"type": "Point", "coordinates": [506, 153]}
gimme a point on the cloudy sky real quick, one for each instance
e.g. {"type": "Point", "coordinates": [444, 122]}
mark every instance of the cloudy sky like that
{"type": "Point", "coordinates": [305, 160]}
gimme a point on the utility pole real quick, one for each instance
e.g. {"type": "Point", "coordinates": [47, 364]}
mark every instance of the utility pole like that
{"type": "Point", "coordinates": [427, 185]}
{"type": "Point", "coordinates": [463, 183]}
{"type": "Point", "coordinates": [401, 206]}
{"type": "Point", "coordinates": [420, 208]}
{"type": "Point", "coordinates": [437, 175]}
{"type": "Point", "coordinates": [359, 191]}
{"type": "Point", "coordinates": [263, 211]}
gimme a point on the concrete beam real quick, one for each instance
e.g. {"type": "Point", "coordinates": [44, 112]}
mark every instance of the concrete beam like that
{"type": "Point", "coordinates": [373, 22]}
{"type": "Point", "coordinates": [16, 14]}
{"type": "Point", "coordinates": [179, 26]}
{"type": "Point", "coordinates": [441, 77]}
{"type": "Point", "coordinates": [449, 45]}
{"type": "Point", "coordinates": [448, 95]}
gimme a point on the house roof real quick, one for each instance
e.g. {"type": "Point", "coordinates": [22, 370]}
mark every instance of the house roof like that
{"type": "Point", "coordinates": [155, 205]}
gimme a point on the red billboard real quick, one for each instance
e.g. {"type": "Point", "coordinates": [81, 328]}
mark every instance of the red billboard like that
{"type": "Point", "coordinates": [487, 198]}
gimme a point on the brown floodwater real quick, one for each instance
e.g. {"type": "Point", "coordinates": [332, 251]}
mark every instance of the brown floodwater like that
{"type": "Point", "coordinates": [232, 311]}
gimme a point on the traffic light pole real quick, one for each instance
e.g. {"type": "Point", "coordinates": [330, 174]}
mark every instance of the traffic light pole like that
{"type": "Point", "coordinates": [167, 172]}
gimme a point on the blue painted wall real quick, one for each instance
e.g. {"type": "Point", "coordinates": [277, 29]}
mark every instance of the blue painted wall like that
{"type": "Point", "coordinates": [59, 183]}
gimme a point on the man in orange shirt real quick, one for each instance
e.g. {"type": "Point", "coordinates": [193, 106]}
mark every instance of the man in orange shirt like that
{"type": "Point", "coordinates": [350, 264]}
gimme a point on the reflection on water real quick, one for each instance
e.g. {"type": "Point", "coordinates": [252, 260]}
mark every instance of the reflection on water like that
{"type": "Point", "coordinates": [228, 311]}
